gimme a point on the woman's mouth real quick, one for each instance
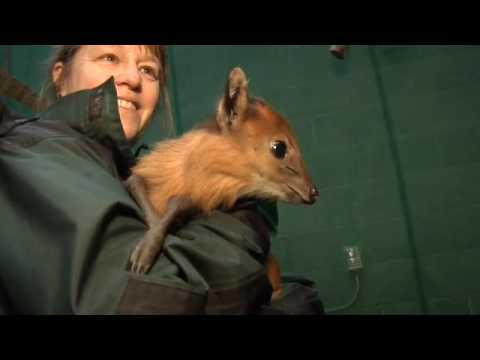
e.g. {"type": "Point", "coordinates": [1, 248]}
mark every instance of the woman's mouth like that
{"type": "Point", "coordinates": [125, 104]}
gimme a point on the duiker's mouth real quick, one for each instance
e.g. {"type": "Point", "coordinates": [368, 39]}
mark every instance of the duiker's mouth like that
{"type": "Point", "coordinates": [304, 199]}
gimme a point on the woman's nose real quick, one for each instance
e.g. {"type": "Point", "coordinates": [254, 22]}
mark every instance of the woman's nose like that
{"type": "Point", "coordinates": [129, 76]}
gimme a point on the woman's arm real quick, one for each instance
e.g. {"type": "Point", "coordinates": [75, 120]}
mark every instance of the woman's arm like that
{"type": "Point", "coordinates": [69, 227]}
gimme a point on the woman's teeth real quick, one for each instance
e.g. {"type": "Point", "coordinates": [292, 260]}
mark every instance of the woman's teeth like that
{"type": "Point", "coordinates": [126, 104]}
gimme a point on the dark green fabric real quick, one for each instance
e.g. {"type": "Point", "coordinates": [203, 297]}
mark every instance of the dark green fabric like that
{"type": "Point", "coordinates": [69, 226]}
{"type": "Point", "coordinates": [6, 117]}
{"type": "Point", "coordinates": [299, 298]}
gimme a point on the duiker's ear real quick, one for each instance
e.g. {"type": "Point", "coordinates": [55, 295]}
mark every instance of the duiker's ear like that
{"type": "Point", "coordinates": [234, 103]}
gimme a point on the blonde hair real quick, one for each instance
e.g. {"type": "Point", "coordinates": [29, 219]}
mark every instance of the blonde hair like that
{"type": "Point", "coordinates": [66, 53]}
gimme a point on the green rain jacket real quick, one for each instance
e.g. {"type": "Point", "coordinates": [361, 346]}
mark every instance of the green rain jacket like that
{"type": "Point", "coordinates": [68, 226]}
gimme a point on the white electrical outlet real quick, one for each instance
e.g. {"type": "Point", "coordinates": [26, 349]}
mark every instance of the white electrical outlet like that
{"type": "Point", "coordinates": [354, 258]}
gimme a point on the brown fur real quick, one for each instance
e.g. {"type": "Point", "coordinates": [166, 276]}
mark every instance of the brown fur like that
{"type": "Point", "coordinates": [209, 168]}
{"type": "Point", "coordinates": [230, 157]}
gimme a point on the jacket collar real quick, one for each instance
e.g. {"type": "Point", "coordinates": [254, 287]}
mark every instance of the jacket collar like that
{"type": "Point", "coordinates": [95, 113]}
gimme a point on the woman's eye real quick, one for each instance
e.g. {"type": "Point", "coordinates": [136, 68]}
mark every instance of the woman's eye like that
{"type": "Point", "coordinates": [150, 72]}
{"type": "Point", "coordinates": [109, 58]}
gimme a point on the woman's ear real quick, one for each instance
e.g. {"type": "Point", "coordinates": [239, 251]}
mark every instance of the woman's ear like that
{"type": "Point", "coordinates": [57, 76]}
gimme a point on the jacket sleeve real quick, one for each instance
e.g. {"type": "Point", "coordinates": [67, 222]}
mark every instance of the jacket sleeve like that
{"type": "Point", "coordinates": [212, 265]}
{"type": "Point", "coordinates": [71, 227]}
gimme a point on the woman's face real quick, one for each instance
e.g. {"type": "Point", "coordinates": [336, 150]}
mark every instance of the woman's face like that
{"type": "Point", "coordinates": [136, 74]}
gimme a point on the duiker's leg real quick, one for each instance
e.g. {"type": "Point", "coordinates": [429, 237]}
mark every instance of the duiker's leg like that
{"type": "Point", "coordinates": [137, 188]}
{"type": "Point", "coordinates": [275, 277]}
{"type": "Point", "coordinates": [150, 246]}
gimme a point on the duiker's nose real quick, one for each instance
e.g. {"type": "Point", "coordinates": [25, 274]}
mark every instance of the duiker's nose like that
{"type": "Point", "coordinates": [314, 194]}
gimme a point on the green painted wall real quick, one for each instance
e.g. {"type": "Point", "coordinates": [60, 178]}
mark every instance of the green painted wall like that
{"type": "Point", "coordinates": [392, 138]}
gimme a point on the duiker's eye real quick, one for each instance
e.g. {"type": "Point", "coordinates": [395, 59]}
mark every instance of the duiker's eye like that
{"type": "Point", "coordinates": [279, 149]}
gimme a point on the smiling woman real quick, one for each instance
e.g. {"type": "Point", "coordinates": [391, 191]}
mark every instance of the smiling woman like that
{"type": "Point", "coordinates": [139, 72]}
{"type": "Point", "coordinates": [69, 224]}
